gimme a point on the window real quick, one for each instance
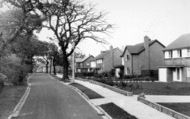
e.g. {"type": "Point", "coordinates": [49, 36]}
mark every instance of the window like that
{"type": "Point", "coordinates": [123, 61]}
{"type": "Point", "coordinates": [170, 54]}
{"type": "Point", "coordinates": [79, 70]}
{"type": "Point", "coordinates": [128, 57]}
{"type": "Point", "coordinates": [80, 64]}
{"type": "Point", "coordinates": [188, 52]}
{"type": "Point", "coordinates": [128, 70]}
{"type": "Point", "coordinates": [179, 54]}
{"type": "Point", "coordinates": [188, 72]}
{"type": "Point", "coordinates": [99, 61]}
{"type": "Point", "coordinates": [87, 64]}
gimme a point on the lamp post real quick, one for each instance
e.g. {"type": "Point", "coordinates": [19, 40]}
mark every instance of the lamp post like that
{"type": "Point", "coordinates": [73, 67]}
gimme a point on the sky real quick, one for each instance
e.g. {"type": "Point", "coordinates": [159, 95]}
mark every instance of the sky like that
{"type": "Point", "coordinates": [164, 20]}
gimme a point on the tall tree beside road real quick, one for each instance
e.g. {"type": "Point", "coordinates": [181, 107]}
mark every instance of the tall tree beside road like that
{"type": "Point", "coordinates": [71, 22]}
{"type": "Point", "coordinates": [53, 55]}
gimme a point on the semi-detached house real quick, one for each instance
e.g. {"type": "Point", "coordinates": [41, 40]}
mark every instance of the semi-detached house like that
{"type": "Point", "coordinates": [177, 61]}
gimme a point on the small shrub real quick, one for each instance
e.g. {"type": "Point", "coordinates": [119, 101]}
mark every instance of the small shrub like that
{"type": "Point", "coordinates": [123, 84]}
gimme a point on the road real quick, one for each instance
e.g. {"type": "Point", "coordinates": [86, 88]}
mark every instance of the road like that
{"type": "Point", "coordinates": [49, 99]}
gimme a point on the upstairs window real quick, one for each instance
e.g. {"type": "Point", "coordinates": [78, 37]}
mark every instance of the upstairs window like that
{"type": "Point", "coordinates": [188, 72]}
{"type": "Point", "coordinates": [80, 64]}
{"type": "Point", "coordinates": [170, 54]}
{"type": "Point", "coordinates": [188, 52]}
{"type": "Point", "coordinates": [179, 54]}
{"type": "Point", "coordinates": [99, 61]}
{"type": "Point", "coordinates": [128, 57]}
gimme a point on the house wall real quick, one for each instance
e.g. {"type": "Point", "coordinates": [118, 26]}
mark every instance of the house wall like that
{"type": "Point", "coordinates": [112, 59]}
{"type": "Point", "coordinates": [139, 62]}
{"type": "Point", "coordinates": [186, 74]}
{"type": "Point", "coordinates": [86, 63]}
{"type": "Point", "coordinates": [127, 63]}
{"type": "Point", "coordinates": [156, 56]}
{"type": "Point", "coordinates": [176, 60]}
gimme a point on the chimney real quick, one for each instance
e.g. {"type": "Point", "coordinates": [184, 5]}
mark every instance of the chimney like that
{"type": "Point", "coordinates": [147, 41]}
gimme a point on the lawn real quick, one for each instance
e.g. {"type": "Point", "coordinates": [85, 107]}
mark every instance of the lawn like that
{"type": "Point", "coordinates": [91, 94]}
{"type": "Point", "coordinates": [153, 88]}
{"type": "Point", "coordinates": [183, 108]}
{"type": "Point", "coordinates": [159, 88]}
{"type": "Point", "coordinates": [9, 97]}
{"type": "Point", "coordinates": [116, 112]}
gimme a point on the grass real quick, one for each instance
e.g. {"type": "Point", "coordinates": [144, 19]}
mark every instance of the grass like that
{"type": "Point", "coordinates": [183, 108]}
{"type": "Point", "coordinates": [116, 112]}
{"type": "Point", "coordinates": [9, 97]}
{"type": "Point", "coordinates": [157, 88]}
{"type": "Point", "coordinates": [91, 94]}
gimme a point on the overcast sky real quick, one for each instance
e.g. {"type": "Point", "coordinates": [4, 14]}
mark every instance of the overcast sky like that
{"type": "Point", "coordinates": [164, 20]}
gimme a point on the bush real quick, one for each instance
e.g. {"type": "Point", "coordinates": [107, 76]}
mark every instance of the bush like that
{"type": "Point", "coordinates": [85, 74]}
{"type": "Point", "coordinates": [12, 68]}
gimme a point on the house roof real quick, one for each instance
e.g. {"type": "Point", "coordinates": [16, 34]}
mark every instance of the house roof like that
{"type": "Point", "coordinates": [138, 48]}
{"type": "Point", "coordinates": [181, 42]}
{"type": "Point", "coordinates": [82, 59]}
{"type": "Point", "coordinates": [104, 53]}
{"type": "Point", "coordinates": [101, 55]}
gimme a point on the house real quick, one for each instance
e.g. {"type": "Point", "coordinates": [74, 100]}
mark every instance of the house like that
{"type": "Point", "coordinates": [83, 64]}
{"type": "Point", "coordinates": [143, 58]}
{"type": "Point", "coordinates": [176, 61]}
{"type": "Point", "coordinates": [107, 60]}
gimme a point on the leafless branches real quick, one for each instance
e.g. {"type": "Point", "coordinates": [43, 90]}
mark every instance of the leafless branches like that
{"type": "Point", "coordinates": [73, 22]}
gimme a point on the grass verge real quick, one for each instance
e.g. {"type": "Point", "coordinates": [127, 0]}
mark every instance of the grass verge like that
{"type": "Point", "coordinates": [9, 97]}
{"type": "Point", "coordinates": [160, 88]}
{"type": "Point", "coordinates": [183, 108]}
{"type": "Point", "coordinates": [91, 94]}
{"type": "Point", "coordinates": [153, 88]}
{"type": "Point", "coordinates": [116, 112]}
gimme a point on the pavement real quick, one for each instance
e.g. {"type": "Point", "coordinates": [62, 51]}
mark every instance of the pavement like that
{"type": "Point", "coordinates": [127, 103]}
{"type": "Point", "coordinates": [50, 99]}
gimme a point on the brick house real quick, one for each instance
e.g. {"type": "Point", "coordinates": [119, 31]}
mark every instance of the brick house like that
{"type": "Point", "coordinates": [142, 58]}
{"type": "Point", "coordinates": [107, 60]}
{"type": "Point", "coordinates": [82, 65]}
{"type": "Point", "coordinates": [176, 61]}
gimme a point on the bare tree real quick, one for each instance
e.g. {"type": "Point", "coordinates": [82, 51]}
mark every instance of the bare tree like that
{"type": "Point", "coordinates": [71, 22]}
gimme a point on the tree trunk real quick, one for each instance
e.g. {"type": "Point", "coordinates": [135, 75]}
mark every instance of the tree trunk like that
{"type": "Point", "coordinates": [54, 66]}
{"type": "Point", "coordinates": [65, 68]}
{"type": "Point", "coordinates": [47, 66]}
{"type": "Point", "coordinates": [50, 66]}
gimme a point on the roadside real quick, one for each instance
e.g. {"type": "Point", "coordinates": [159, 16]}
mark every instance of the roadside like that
{"type": "Point", "coordinates": [9, 97]}
{"type": "Point", "coordinates": [127, 103]}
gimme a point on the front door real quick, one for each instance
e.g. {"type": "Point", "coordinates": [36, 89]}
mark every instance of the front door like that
{"type": "Point", "coordinates": [177, 74]}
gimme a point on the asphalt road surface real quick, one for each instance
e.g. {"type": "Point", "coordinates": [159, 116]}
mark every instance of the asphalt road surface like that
{"type": "Point", "coordinates": [49, 99]}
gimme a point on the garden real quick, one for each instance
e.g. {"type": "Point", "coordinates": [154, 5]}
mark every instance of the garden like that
{"type": "Point", "coordinates": [143, 84]}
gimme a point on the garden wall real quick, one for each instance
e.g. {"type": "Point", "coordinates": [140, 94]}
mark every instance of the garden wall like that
{"type": "Point", "coordinates": [163, 109]}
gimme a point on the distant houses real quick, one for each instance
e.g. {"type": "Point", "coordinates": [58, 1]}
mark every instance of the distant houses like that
{"type": "Point", "coordinates": [140, 59]}
{"type": "Point", "coordinates": [176, 61]}
{"type": "Point", "coordinates": [108, 60]}
{"type": "Point", "coordinates": [83, 65]}
{"type": "Point", "coordinates": [143, 58]}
